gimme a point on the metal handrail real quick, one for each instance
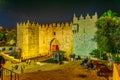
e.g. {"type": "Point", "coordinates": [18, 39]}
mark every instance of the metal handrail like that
{"type": "Point", "coordinates": [11, 72]}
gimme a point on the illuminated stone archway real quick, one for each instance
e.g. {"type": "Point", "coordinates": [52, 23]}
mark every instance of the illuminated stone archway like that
{"type": "Point", "coordinates": [54, 45]}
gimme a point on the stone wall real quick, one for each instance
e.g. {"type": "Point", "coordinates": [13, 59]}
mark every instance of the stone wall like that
{"type": "Point", "coordinates": [116, 72]}
{"type": "Point", "coordinates": [38, 39]}
{"type": "Point", "coordinates": [61, 33]}
{"type": "Point", "coordinates": [84, 30]}
{"type": "Point", "coordinates": [35, 39]}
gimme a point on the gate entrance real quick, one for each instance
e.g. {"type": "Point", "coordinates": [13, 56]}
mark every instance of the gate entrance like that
{"type": "Point", "coordinates": [54, 45]}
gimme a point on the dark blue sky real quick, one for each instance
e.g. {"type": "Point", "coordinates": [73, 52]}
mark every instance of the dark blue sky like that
{"type": "Point", "coordinates": [51, 11]}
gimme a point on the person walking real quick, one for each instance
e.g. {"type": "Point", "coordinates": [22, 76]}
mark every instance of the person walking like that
{"type": "Point", "coordinates": [2, 62]}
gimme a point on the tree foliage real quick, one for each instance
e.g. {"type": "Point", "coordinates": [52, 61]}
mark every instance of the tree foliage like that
{"type": "Point", "coordinates": [8, 38]}
{"type": "Point", "coordinates": [2, 37]}
{"type": "Point", "coordinates": [2, 34]}
{"type": "Point", "coordinates": [11, 37]}
{"type": "Point", "coordinates": [108, 32]}
{"type": "Point", "coordinates": [99, 54]}
{"type": "Point", "coordinates": [109, 13]}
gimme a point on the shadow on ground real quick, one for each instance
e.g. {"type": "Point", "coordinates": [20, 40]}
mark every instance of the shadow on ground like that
{"type": "Point", "coordinates": [82, 75]}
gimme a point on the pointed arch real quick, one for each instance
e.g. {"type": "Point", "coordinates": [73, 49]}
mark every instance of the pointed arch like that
{"type": "Point", "coordinates": [54, 42]}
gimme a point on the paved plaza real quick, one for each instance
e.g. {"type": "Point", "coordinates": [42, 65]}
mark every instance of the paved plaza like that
{"type": "Point", "coordinates": [48, 71]}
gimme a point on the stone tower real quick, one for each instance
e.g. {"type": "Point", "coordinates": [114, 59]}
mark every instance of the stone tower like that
{"type": "Point", "coordinates": [28, 39]}
{"type": "Point", "coordinates": [84, 30]}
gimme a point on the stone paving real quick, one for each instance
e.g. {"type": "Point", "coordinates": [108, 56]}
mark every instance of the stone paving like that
{"type": "Point", "coordinates": [33, 67]}
{"type": "Point", "coordinates": [49, 71]}
{"type": "Point", "coordinates": [68, 71]}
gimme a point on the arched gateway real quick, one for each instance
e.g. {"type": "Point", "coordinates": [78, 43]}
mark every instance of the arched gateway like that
{"type": "Point", "coordinates": [54, 45]}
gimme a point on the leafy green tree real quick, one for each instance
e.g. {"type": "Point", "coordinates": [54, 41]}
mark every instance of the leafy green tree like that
{"type": "Point", "coordinates": [2, 37]}
{"type": "Point", "coordinates": [108, 32]}
{"type": "Point", "coordinates": [11, 37]}
{"type": "Point", "coordinates": [109, 13]}
{"type": "Point", "coordinates": [2, 34]}
{"type": "Point", "coordinates": [99, 54]}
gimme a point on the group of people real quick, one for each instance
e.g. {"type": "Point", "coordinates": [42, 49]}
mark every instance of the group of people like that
{"type": "Point", "coordinates": [74, 57]}
{"type": "Point", "coordinates": [88, 63]}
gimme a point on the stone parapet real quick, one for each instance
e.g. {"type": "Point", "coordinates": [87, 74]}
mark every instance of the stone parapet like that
{"type": "Point", "coordinates": [116, 72]}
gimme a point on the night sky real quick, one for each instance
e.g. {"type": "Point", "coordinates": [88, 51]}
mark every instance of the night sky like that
{"type": "Point", "coordinates": [51, 11]}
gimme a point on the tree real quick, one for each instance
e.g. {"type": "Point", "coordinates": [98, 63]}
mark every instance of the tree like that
{"type": "Point", "coordinates": [11, 37]}
{"type": "Point", "coordinates": [109, 13]}
{"type": "Point", "coordinates": [108, 32]}
{"type": "Point", "coordinates": [97, 54]}
{"type": "Point", "coordinates": [2, 37]}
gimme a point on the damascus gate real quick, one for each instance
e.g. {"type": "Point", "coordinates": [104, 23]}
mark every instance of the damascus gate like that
{"type": "Point", "coordinates": [42, 39]}
{"type": "Point", "coordinates": [35, 40]}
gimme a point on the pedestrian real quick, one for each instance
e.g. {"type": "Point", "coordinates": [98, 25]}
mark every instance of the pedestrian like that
{"type": "Point", "coordinates": [58, 57]}
{"type": "Point", "coordinates": [79, 57]}
{"type": "Point", "coordinates": [73, 57]}
{"type": "Point", "coordinates": [84, 61]}
{"type": "Point", "coordinates": [90, 64]}
{"type": "Point", "coordinates": [111, 61]}
{"type": "Point", "coordinates": [2, 62]}
{"type": "Point", "coordinates": [61, 58]}
{"type": "Point", "coordinates": [29, 61]}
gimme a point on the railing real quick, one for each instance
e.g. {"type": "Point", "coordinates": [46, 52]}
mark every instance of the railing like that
{"type": "Point", "coordinates": [7, 74]}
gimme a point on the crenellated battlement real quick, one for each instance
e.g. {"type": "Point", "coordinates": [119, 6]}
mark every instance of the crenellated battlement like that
{"type": "Point", "coordinates": [27, 24]}
{"type": "Point", "coordinates": [87, 17]}
{"type": "Point", "coordinates": [44, 26]}
{"type": "Point", "coordinates": [52, 25]}
{"type": "Point", "coordinates": [56, 25]}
